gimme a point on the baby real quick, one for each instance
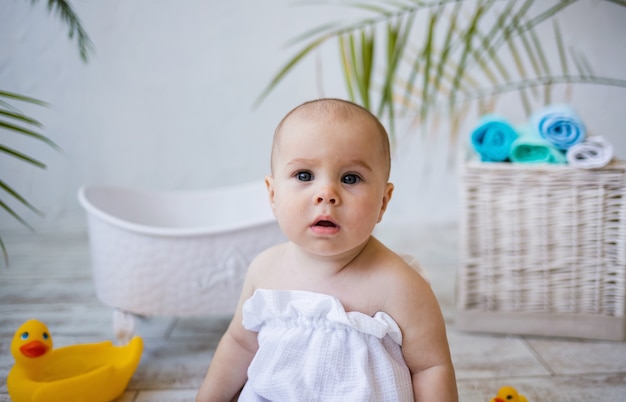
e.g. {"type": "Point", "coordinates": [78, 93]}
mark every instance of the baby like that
{"type": "Point", "coordinates": [332, 314]}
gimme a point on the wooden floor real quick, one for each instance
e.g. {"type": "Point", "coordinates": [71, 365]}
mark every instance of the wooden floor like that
{"type": "Point", "coordinates": [50, 279]}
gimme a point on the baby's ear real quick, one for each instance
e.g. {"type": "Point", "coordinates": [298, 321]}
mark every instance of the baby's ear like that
{"type": "Point", "coordinates": [269, 183]}
{"type": "Point", "coordinates": [386, 197]}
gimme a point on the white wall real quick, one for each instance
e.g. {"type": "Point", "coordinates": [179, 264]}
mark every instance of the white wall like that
{"type": "Point", "coordinates": [166, 100]}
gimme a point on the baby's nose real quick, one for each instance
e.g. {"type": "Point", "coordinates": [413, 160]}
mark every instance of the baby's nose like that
{"type": "Point", "coordinates": [328, 195]}
{"type": "Point", "coordinates": [330, 200]}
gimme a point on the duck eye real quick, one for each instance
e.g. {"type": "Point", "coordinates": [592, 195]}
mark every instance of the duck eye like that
{"type": "Point", "coordinates": [24, 335]}
{"type": "Point", "coordinates": [509, 397]}
{"type": "Point", "coordinates": [45, 335]}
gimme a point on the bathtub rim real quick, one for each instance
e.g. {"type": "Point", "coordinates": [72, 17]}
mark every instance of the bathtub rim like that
{"type": "Point", "coordinates": [162, 231]}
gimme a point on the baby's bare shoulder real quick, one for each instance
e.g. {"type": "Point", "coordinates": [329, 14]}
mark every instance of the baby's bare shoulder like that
{"type": "Point", "coordinates": [265, 264]}
{"type": "Point", "coordinates": [268, 256]}
{"type": "Point", "coordinates": [398, 269]}
{"type": "Point", "coordinates": [392, 265]}
{"type": "Point", "coordinates": [406, 287]}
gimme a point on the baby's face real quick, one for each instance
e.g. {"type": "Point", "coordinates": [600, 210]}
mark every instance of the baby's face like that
{"type": "Point", "coordinates": [329, 185]}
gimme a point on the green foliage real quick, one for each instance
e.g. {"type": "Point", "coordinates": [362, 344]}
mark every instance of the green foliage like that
{"type": "Point", "coordinates": [14, 122]}
{"type": "Point", "coordinates": [68, 16]}
{"type": "Point", "coordinates": [440, 56]}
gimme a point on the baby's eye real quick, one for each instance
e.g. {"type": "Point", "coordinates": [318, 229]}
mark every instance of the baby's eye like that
{"type": "Point", "coordinates": [24, 335]}
{"type": "Point", "coordinates": [304, 176]}
{"type": "Point", "coordinates": [350, 179]}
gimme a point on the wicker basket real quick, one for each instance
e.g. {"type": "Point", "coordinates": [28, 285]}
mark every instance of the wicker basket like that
{"type": "Point", "coordinates": [543, 250]}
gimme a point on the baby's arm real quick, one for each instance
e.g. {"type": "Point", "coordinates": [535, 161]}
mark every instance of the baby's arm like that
{"type": "Point", "coordinates": [424, 341]}
{"type": "Point", "coordinates": [228, 371]}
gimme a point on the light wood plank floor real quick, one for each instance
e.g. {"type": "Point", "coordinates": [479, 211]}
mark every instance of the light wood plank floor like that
{"type": "Point", "coordinates": [50, 279]}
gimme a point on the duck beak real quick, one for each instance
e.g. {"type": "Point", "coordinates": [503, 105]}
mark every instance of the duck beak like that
{"type": "Point", "coordinates": [34, 349]}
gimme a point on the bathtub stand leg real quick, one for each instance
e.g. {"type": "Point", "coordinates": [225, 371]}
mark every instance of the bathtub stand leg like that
{"type": "Point", "coordinates": [123, 326]}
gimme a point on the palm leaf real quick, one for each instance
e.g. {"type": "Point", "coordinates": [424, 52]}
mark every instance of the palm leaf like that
{"type": "Point", "coordinates": [460, 56]}
{"type": "Point", "coordinates": [23, 157]}
{"type": "Point", "coordinates": [356, 70]}
{"type": "Point", "coordinates": [75, 28]}
{"type": "Point", "coordinates": [445, 53]}
{"type": "Point", "coordinates": [507, 33]}
{"type": "Point", "coordinates": [367, 60]}
{"type": "Point", "coordinates": [290, 65]}
{"type": "Point", "coordinates": [22, 98]}
{"type": "Point", "coordinates": [428, 56]}
{"type": "Point", "coordinates": [531, 52]}
{"type": "Point", "coordinates": [386, 94]}
{"type": "Point", "coordinates": [346, 64]}
{"type": "Point", "coordinates": [396, 43]}
{"type": "Point", "coordinates": [21, 199]}
{"type": "Point", "coordinates": [581, 64]}
{"type": "Point", "coordinates": [10, 120]}
{"type": "Point", "coordinates": [512, 86]}
{"type": "Point", "coordinates": [467, 39]}
{"type": "Point", "coordinates": [18, 116]}
{"type": "Point", "coordinates": [13, 121]}
{"type": "Point", "coordinates": [544, 65]}
{"type": "Point", "coordinates": [4, 251]}
{"type": "Point", "coordinates": [21, 130]}
{"type": "Point", "coordinates": [328, 30]}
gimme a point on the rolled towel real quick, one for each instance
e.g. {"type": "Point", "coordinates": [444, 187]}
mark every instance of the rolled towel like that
{"type": "Point", "coordinates": [492, 138]}
{"type": "Point", "coordinates": [559, 125]}
{"type": "Point", "coordinates": [594, 152]}
{"type": "Point", "coordinates": [529, 147]}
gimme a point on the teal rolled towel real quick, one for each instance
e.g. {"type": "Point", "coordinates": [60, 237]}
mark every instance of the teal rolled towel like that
{"type": "Point", "coordinates": [531, 149]}
{"type": "Point", "coordinates": [560, 125]}
{"type": "Point", "coordinates": [492, 138]}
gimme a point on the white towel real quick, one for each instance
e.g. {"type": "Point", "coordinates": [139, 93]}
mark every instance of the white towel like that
{"type": "Point", "coordinates": [311, 349]}
{"type": "Point", "coordinates": [594, 152]}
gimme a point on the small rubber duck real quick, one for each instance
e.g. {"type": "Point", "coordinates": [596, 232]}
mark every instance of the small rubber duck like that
{"type": "Point", "coordinates": [97, 372]}
{"type": "Point", "coordinates": [508, 394]}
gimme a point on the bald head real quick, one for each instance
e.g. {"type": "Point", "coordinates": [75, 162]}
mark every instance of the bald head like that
{"type": "Point", "coordinates": [331, 109]}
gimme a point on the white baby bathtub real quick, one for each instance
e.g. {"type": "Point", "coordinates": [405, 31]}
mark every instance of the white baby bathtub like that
{"type": "Point", "coordinates": [174, 253]}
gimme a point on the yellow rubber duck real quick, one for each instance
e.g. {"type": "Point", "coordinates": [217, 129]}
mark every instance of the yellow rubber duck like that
{"type": "Point", "coordinates": [97, 372]}
{"type": "Point", "coordinates": [508, 394]}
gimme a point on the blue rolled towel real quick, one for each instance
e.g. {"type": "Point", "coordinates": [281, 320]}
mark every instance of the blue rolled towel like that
{"type": "Point", "coordinates": [559, 125]}
{"type": "Point", "coordinates": [492, 138]}
{"type": "Point", "coordinates": [530, 148]}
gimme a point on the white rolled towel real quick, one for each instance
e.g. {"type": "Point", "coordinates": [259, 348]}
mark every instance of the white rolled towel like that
{"type": "Point", "coordinates": [594, 152]}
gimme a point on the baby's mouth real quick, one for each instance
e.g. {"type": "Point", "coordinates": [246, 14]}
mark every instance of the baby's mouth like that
{"type": "Point", "coordinates": [325, 227]}
{"type": "Point", "coordinates": [325, 224]}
